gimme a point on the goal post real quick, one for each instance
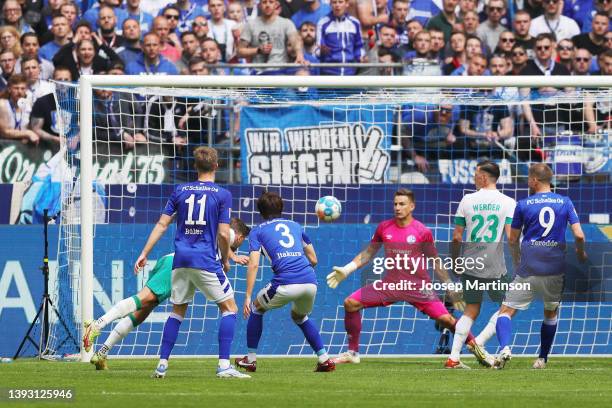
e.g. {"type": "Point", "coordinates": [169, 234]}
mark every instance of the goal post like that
{"type": "Point", "coordinates": [387, 88]}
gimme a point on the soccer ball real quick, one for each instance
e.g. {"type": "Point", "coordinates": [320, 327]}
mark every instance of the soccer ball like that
{"type": "Point", "coordinates": [328, 208]}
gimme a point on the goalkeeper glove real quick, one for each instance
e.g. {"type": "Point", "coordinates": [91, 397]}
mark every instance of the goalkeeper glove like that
{"type": "Point", "coordinates": [456, 298]}
{"type": "Point", "coordinates": [340, 273]}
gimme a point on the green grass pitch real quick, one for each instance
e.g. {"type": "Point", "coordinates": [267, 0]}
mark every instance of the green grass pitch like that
{"type": "Point", "coordinates": [290, 382]}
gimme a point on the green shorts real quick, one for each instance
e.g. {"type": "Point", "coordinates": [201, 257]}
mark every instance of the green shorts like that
{"type": "Point", "coordinates": [160, 278]}
{"type": "Point", "coordinates": [474, 295]}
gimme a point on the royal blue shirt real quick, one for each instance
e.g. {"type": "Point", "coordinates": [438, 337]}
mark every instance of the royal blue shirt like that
{"type": "Point", "coordinates": [199, 207]}
{"type": "Point", "coordinates": [283, 241]}
{"type": "Point", "coordinates": [543, 217]}
{"type": "Point", "coordinates": [139, 66]}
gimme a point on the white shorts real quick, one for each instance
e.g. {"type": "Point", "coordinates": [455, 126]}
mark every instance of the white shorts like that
{"type": "Point", "coordinates": [548, 288]}
{"type": "Point", "coordinates": [301, 294]}
{"type": "Point", "coordinates": [215, 286]}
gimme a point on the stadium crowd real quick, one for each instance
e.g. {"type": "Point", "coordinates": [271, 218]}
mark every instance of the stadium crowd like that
{"type": "Point", "coordinates": [63, 39]}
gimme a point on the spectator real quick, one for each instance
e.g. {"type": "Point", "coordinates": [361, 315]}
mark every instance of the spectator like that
{"type": "Point", "coordinates": [71, 11]}
{"type": "Point", "coordinates": [61, 36]}
{"type": "Point", "coordinates": [446, 21]}
{"type": "Point", "coordinates": [197, 66]}
{"type": "Point", "coordinates": [506, 42]}
{"type": "Point", "coordinates": [30, 48]}
{"type": "Point", "coordinates": [130, 50]}
{"type": "Point", "coordinates": [221, 28]}
{"type": "Point", "coordinates": [151, 62]}
{"type": "Point", "coordinates": [115, 121]}
{"type": "Point", "coordinates": [135, 12]}
{"type": "Point", "coordinates": [91, 15]}
{"type": "Point", "coordinates": [172, 14]}
{"type": "Point", "coordinates": [414, 27]}
{"type": "Point", "coordinates": [565, 53]}
{"type": "Point", "coordinates": [604, 6]}
{"type": "Point", "coordinates": [499, 65]}
{"type": "Point", "coordinates": [107, 23]}
{"type": "Point", "coordinates": [594, 41]}
{"type": "Point", "coordinates": [521, 26]}
{"type": "Point", "coordinates": [265, 37]}
{"type": "Point", "coordinates": [582, 62]}
{"type": "Point", "coordinates": [44, 120]}
{"type": "Point", "coordinates": [422, 46]}
{"type": "Point", "coordinates": [312, 11]}
{"type": "Point", "coordinates": [87, 61]}
{"type": "Point", "coordinates": [13, 116]}
{"type": "Point", "coordinates": [534, 8]}
{"type": "Point", "coordinates": [9, 39]}
{"type": "Point", "coordinates": [190, 47]}
{"type": "Point", "coordinates": [339, 39]}
{"type": "Point", "coordinates": [211, 53]}
{"type": "Point", "coordinates": [104, 55]}
{"type": "Point", "coordinates": [399, 15]}
{"type": "Point", "coordinates": [485, 128]}
{"type": "Point", "coordinates": [188, 10]}
{"type": "Point", "coordinates": [552, 21]}
{"type": "Point", "coordinates": [458, 57]}
{"type": "Point", "coordinates": [437, 43]}
{"type": "Point", "coordinates": [168, 46]}
{"type": "Point", "coordinates": [12, 15]}
{"type": "Point", "coordinates": [473, 46]}
{"type": "Point", "coordinates": [161, 122]}
{"type": "Point", "coordinates": [200, 28]}
{"type": "Point", "coordinates": [608, 40]}
{"type": "Point", "coordinates": [36, 86]}
{"type": "Point", "coordinates": [7, 63]}
{"type": "Point", "coordinates": [386, 57]}
{"type": "Point", "coordinates": [308, 34]}
{"type": "Point", "coordinates": [235, 12]}
{"type": "Point", "coordinates": [599, 114]}
{"type": "Point", "coordinates": [476, 66]}
{"type": "Point", "coordinates": [543, 120]}
{"type": "Point", "coordinates": [370, 13]}
{"type": "Point", "coordinates": [471, 23]}
{"type": "Point", "coordinates": [519, 59]}
{"type": "Point", "coordinates": [490, 30]}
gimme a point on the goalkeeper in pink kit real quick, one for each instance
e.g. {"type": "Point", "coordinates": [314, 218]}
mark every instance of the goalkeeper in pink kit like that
{"type": "Point", "coordinates": [406, 239]}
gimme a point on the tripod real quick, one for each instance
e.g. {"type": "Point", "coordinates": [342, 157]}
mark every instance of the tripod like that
{"type": "Point", "coordinates": [45, 306]}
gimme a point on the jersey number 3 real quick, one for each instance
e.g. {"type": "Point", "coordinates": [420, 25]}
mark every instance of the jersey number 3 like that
{"type": "Point", "coordinates": [191, 203]}
{"type": "Point", "coordinates": [285, 232]}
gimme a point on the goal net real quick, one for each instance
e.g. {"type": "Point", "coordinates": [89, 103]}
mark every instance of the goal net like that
{"type": "Point", "coordinates": [130, 139]}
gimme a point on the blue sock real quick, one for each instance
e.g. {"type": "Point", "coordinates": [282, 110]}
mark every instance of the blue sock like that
{"type": "Point", "coordinates": [226, 334]}
{"type": "Point", "coordinates": [547, 335]}
{"type": "Point", "coordinates": [254, 329]}
{"type": "Point", "coordinates": [312, 335]}
{"type": "Point", "coordinates": [171, 329]}
{"type": "Point", "coordinates": [504, 330]}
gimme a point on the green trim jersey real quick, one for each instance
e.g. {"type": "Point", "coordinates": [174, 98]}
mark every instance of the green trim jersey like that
{"type": "Point", "coordinates": [484, 215]}
{"type": "Point", "coordinates": [160, 278]}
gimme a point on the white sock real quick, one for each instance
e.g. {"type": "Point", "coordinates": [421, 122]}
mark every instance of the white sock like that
{"type": "Point", "coordinates": [121, 329]}
{"type": "Point", "coordinates": [462, 329]}
{"type": "Point", "coordinates": [251, 357]}
{"type": "Point", "coordinates": [488, 331]}
{"type": "Point", "coordinates": [162, 361]}
{"type": "Point", "coordinates": [121, 309]}
{"type": "Point", "coordinates": [224, 363]}
{"type": "Point", "coordinates": [323, 358]}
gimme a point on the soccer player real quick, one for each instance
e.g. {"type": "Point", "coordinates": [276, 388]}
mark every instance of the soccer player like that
{"type": "Point", "coordinates": [136, 309]}
{"type": "Point", "coordinates": [485, 215]}
{"type": "Point", "coordinates": [202, 211]}
{"type": "Point", "coordinates": [293, 259]}
{"type": "Point", "coordinates": [543, 218]}
{"type": "Point", "coordinates": [402, 235]}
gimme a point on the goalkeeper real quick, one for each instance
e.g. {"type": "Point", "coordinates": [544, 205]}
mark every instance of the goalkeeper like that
{"type": "Point", "coordinates": [137, 308]}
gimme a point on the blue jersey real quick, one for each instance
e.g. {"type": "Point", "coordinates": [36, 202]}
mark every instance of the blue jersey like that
{"type": "Point", "coordinates": [200, 207]}
{"type": "Point", "coordinates": [283, 241]}
{"type": "Point", "coordinates": [543, 218]}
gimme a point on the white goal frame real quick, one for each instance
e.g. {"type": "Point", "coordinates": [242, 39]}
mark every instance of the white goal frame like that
{"type": "Point", "coordinates": [88, 82]}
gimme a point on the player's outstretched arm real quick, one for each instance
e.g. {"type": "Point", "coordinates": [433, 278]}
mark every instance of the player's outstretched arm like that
{"type": "Point", "coordinates": [579, 240]}
{"type": "Point", "coordinates": [340, 273]}
{"type": "Point", "coordinates": [251, 275]}
{"type": "Point", "coordinates": [158, 232]}
{"type": "Point", "coordinates": [311, 255]}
